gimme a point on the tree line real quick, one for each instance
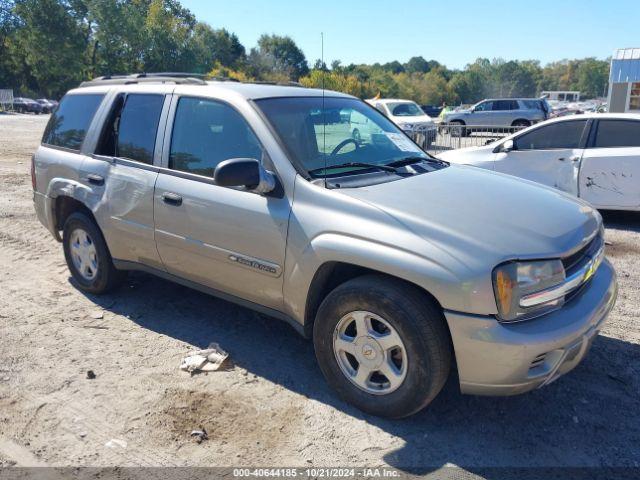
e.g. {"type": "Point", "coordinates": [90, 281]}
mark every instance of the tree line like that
{"type": "Point", "coordinates": [49, 46]}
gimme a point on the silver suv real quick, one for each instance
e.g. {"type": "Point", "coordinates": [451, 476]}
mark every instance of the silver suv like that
{"type": "Point", "coordinates": [502, 112]}
{"type": "Point", "coordinates": [393, 262]}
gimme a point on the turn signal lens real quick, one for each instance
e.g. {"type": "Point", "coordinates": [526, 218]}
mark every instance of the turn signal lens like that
{"type": "Point", "coordinates": [504, 290]}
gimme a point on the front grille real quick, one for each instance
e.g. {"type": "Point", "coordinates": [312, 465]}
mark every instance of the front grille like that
{"type": "Point", "coordinates": [576, 260]}
{"type": "Point", "coordinates": [539, 360]}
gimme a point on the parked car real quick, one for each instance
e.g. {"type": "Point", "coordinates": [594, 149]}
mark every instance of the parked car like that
{"type": "Point", "coordinates": [501, 112]}
{"type": "Point", "coordinates": [395, 263]}
{"type": "Point", "coordinates": [25, 105]}
{"type": "Point", "coordinates": [593, 156]}
{"type": "Point", "coordinates": [47, 105]}
{"type": "Point", "coordinates": [433, 111]}
{"type": "Point", "coordinates": [408, 116]}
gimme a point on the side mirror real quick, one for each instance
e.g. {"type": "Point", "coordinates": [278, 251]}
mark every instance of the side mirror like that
{"type": "Point", "coordinates": [244, 172]}
{"type": "Point", "coordinates": [507, 146]}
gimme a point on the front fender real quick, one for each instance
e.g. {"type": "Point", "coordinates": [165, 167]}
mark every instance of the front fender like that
{"type": "Point", "coordinates": [439, 281]}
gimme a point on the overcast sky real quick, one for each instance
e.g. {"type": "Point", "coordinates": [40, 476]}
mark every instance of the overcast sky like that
{"type": "Point", "coordinates": [454, 32]}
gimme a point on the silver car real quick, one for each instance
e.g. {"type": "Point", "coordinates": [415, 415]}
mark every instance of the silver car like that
{"type": "Point", "coordinates": [393, 262]}
{"type": "Point", "coordinates": [501, 112]}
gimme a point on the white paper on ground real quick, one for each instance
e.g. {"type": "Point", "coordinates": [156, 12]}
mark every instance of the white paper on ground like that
{"type": "Point", "coordinates": [208, 360]}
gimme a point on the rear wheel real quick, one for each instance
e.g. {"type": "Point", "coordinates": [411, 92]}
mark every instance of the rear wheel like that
{"type": "Point", "coordinates": [382, 345]}
{"type": "Point", "coordinates": [458, 129]}
{"type": "Point", "coordinates": [88, 257]}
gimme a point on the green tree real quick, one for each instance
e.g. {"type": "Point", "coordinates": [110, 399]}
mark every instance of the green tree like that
{"type": "Point", "coordinates": [49, 46]}
{"type": "Point", "coordinates": [168, 28]}
{"type": "Point", "coordinates": [278, 57]}
{"type": "Point", "coordinates": [213, 47]}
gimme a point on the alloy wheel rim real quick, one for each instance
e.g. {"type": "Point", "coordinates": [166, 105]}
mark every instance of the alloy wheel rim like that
{"type": "Point", "coordinates": [84, 254]}
{"type": "Point", "coordinates": [370, 352]}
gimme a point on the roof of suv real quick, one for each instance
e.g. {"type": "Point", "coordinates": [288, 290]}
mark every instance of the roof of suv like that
{"type": "Point", "coordinates": [249, 91]}
{"type": "Point", "coordinates": [516, 98]}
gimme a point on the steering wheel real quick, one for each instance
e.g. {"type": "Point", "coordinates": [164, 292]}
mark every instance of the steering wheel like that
{"type": "Point", "coordinates": [343, 144]}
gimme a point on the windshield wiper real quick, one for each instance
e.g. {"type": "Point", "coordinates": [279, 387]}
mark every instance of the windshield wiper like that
{"type": "Point", "coordinates": [386, 168]}
{"type": "Point", "coordinates": [412, 160]}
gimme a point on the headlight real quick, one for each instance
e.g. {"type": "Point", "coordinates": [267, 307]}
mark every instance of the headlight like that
{"type": "Point", "coordinates": [514, 280]}
{"type": "Point", "coordinates": [406, 126]}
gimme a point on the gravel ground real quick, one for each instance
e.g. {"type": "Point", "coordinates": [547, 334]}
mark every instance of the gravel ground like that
{"type": "Point", "coordinates": [271, 407]}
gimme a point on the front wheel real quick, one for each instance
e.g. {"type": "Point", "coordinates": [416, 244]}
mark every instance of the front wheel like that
{"type": "Point", "coordinates": [88, 257]}
{"type": "Point", "coordinates": [382, 345]}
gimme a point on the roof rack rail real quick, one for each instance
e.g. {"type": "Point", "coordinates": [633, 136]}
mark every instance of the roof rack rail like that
{"type": "Point", "coordinates": [282, 84]}
{"type": "Point", "coordinates": [162, 77]}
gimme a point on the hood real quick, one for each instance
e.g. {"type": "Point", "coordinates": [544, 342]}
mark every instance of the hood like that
{"type": "Point", "coordinates": [468, 155]}
{"type": "Point", "coordinates": [479, 216]}
{"type": "Point", "coordinates": [414, 119]}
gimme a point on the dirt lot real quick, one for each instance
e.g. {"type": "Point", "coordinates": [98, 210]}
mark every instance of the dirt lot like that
{"type": "Point", "coordinates": [272, 407]}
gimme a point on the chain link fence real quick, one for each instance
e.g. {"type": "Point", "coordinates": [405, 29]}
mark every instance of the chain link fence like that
{"type": "Point", "coordinates": [453, 136]}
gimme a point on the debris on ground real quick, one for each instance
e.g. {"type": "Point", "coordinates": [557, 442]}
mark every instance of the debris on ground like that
{"type": "Point", "coordinates": [90, 375]}
{"type": "Point", "coordinates": [208, 360]}
{"type": "Point", "coordinates": [115, 442]}
{"type": "Point", "coordinates": [98, 314]}
{"type": "Point", "coordinates": [200, 435]}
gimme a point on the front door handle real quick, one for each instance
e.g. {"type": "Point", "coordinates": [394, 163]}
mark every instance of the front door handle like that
{"type": "Point", "coordinates": [172, 199]}
{"type": "Point", "coordinates": [94, 179]}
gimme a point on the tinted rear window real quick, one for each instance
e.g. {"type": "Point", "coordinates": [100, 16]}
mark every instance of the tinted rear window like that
{"type": "Point", "coordinates": [505, 105]}
{"type": "Point", "coordinates": [68, 126]}
{"type": "Point", "coordinates": [138, 127]}
{"type": "Point", "coordinates": [618, 133]}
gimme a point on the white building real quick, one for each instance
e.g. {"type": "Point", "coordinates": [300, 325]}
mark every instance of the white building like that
{"type": "Point", "coordinates": [624, 81]}
{"type": "Point", "coordinates": [561, 95]}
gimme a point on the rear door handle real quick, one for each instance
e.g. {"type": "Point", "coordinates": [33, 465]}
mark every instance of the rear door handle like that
{"type": "Point", "coordinates": [95, 179]}
{"type": "Point", "coordinates": [172, 198]}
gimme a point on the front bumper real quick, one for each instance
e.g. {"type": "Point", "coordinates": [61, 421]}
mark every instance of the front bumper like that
{"type": "Point", "coordinates": [506, 359]}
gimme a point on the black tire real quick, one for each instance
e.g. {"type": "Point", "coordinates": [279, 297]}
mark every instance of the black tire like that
{"type": "Point", "coordinates": [421, 326]}
{"type": "Point", "coordinates": [107, 277]}
{"type": "Point", "coordinates": [459, 129]}
{"type": "Point", "coordinates": [521, 123]}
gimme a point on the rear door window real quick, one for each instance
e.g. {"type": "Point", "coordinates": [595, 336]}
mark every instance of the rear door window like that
{"type": "Point", "coordinates": [560, 135]}
{"type": "Point", "coordinates": [618, 133]}
{"type": "Point", "coordinates": [68, 125]}
{"type": "Point", "coordinates": [500, 105]}
{"type": "Point", "coordinates": [138, 126]}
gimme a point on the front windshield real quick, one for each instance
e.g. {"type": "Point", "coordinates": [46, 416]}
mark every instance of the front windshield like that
{"type": "Point", "coordinates": [346, 131]}
{"type": "Point", "coordinates": [405, 109]}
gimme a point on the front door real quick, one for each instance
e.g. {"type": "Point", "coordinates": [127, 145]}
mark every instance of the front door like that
{"type": "Point", "coordinates": [610, 172]}
{"type": "Point", "coordinates": [481, 115]}
{"type": "Point", "coordinates": [549, 155]}
{"type": "Point", "coordinates": [228, 239]}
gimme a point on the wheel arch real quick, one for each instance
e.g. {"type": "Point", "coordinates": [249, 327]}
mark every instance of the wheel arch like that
{"type": "Point", "coordinates": [522, 121]}
{"type": "Point", "coordinates": [64, 206]}
{"type": "Point", "coordinates": [332, 274]}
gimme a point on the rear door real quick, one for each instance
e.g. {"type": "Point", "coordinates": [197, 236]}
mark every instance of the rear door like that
{"type": "Point", "coordinates": [610, 171]}
{"type": "Point", "coordinates": [125, 167]}
{"type": "Point", "coordinates": [549, 154]}
{"type": "Point", "coordinates": [228, 239]}
{"type": "Point", "coordinates": [504, 112]}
